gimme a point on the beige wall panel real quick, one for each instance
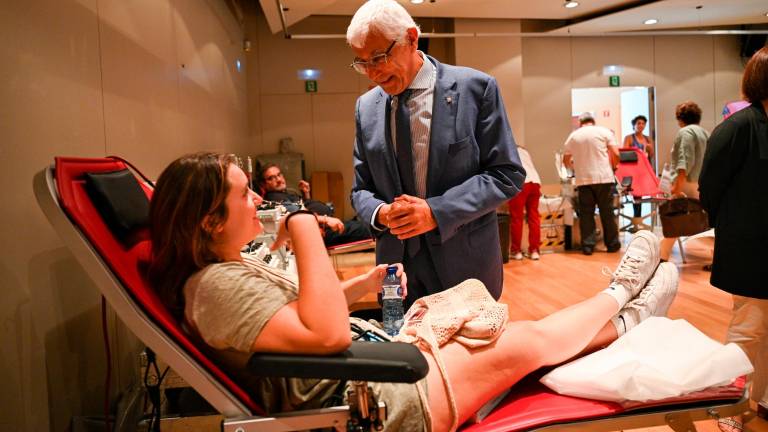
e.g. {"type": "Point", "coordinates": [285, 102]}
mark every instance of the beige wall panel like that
{"type": "Point", "coordinates": [589, 55]}
{"type": "Point", "coordinates": [728, 72]}
{"type": "Point", "coordinates": [140, 82]}
{"type": "Point", "coordinates": [547, 101]}
{"type": "Point", "coordinates": [334, 136]}
{"type": "Point", "coordinates": [500, 57]}
{"type": "Point", "coordinates": [285, 116]}
{"type": "Point", "coordinates": [679, 67]}
{"type": "Point", "coordinates": [280, 59]}
{"type": "Point", "coordinates": [684, 71]}
{"type": "Point", "coordinates": [51, 105]}
{"type": "Point", "coordinates": [253, 79]}
{"type": "Point", "coordinates": [210, 87]}
{"type": "Point", "coordinates": [55, 103]}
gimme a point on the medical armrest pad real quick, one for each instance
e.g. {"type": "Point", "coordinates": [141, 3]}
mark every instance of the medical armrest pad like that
{"type": "Point", "coordinates": [364, 361]}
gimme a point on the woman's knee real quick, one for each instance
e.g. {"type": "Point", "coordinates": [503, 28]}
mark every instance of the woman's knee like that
{"type": "Point", "coordinates": [533, 340]}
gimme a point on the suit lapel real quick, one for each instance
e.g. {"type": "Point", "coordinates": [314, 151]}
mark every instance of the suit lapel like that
{"type": "Point", "coordinates": [383, 110]}
{"type": "Point", "coordinates": [443, 128]}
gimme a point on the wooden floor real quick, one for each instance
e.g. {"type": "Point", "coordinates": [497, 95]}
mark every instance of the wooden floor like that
{"type": "Point", "coordinates": [534, 289]}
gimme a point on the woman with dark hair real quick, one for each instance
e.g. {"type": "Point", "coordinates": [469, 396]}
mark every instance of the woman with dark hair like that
{"type": "Point", "coordinates": [638, 139]}
{"type": "Point", "coordinates": [203, 213]}
{"type": "Point", "coordinates": [733, 184]}
{"type": "Point", "coordinates": [687, 157]}
{"type": "Point", "coordinates": [643, 142]}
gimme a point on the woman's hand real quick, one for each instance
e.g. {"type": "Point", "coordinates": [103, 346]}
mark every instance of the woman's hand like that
{"type": "Point", "coordinates": [376, 275]}
{"type": "Point", "coordinates": [370, 282]}
{"type": "Point", "coordinates": [283, 236]}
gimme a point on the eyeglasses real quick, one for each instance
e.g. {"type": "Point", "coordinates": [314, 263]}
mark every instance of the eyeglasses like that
{"type": "Point", "coordinates": [273, 177]}
{"type": "Point", "coordinates": [376, 61]}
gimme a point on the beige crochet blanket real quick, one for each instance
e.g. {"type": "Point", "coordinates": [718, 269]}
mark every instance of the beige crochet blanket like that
{"type": "Point", "coordinates": [465, 313]}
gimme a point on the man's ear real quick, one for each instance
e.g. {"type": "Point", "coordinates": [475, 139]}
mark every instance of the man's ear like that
{"type": "Point", "coordinates": [413, 36]}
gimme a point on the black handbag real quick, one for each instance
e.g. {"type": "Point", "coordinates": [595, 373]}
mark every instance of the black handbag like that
{"type": "Point", "coordinates": [683, 217]}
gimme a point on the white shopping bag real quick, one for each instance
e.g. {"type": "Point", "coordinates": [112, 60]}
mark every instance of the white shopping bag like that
{"type": "Point", "coordinates": [659, 358]}
{"type": "Point", "coordinates": [665, 184]}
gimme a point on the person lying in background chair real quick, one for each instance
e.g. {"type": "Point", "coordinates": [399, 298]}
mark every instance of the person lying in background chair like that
{"type": "Point", "coordinates": [336, 231]}
{"type": "Point", "coordinates": [202, 213]}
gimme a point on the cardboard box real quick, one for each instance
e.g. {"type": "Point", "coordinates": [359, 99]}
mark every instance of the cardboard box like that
{"type": "Point", "coordinates": [555, 209]}
{"type": "Point", "coordinates": [552, 238]}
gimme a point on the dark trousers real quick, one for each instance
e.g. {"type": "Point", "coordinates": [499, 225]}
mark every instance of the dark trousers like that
{"type": "Point", "coordinates": [354, 230]}
{"type": "Point", "coordinates": [600, 195]}
{"type": "Point", "coordinates": [422, 276]}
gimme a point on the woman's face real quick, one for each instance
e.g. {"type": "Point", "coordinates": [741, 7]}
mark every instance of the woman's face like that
{"type": "Point", "coordinates": [639, 126]}
{"type": "Point", "coordinates": [242, 224]}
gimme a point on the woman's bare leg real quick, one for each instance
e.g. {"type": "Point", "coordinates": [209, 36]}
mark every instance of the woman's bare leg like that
{"type": "Point", "coordinates": [478, 375]}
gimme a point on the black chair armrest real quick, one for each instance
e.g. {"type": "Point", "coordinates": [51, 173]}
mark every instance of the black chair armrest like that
{"type": "Point", "coordinates": [363, 361]}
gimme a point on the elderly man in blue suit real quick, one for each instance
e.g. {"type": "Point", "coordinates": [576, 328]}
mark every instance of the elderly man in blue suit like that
{"type": "Point", "coordinates": [434, 156]}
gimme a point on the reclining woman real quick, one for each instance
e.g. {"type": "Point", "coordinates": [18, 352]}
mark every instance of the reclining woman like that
{"type": "Point", "coordinates": [203, 213]}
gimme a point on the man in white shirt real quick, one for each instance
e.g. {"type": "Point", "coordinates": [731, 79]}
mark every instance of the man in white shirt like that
{"type": "Point", "coordinates": [592, 153]}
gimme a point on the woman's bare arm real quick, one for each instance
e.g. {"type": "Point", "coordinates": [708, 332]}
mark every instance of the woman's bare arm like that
{"type": "Point", "coordinates": [317, 322]}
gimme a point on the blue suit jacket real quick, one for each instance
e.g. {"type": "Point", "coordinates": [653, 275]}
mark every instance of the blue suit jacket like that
{"type": "Point", "coordinates": [473, 167]}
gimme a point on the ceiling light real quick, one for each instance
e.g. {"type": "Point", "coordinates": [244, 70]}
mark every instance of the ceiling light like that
{"type": "Point", "coordinates": [417, 1]}
{"type": "Point", "coordinates": [651, 21]}
{"type": "Point", "coordinates": [571, 4]}
{"type": "Point", "coordinates": [609, 70]}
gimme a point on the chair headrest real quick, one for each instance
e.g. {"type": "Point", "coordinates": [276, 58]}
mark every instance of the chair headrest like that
{"type": "Point", "coordinates": [627, 156]}
{"type": "Point", "coordinates": [121, 202]}
{"type": "Point", "coordinates": [127, 262]}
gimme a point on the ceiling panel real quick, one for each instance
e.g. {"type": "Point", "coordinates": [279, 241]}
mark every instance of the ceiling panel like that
{"type": "Point", "coordinates": [590, 16]}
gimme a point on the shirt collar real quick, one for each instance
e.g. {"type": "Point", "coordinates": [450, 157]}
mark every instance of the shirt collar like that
{"type": "Point", "coordinates": [423, 79]}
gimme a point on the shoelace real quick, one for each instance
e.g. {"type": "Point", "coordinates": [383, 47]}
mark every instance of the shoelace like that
{"type": "Point", "coordinates": [627, 272]}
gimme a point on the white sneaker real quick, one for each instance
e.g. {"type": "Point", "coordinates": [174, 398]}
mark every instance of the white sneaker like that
{"type": "Point", "coordinates": [653, 300]}
{"type": "Point", "coordinates": [517, 256]}
{"type": "Point", "coordinates": [535, 255]}
{"type": "Point", "coordinates": [635, 268]}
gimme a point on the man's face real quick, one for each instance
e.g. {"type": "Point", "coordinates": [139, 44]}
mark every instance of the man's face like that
{"type": "Point", "coordinates": [274, 180]}
{"type": "Point", "coordinates": [401, 67]}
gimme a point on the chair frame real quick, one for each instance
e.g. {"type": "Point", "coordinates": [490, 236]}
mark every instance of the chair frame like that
{"type": "Point", "coordinates": [238, 417]}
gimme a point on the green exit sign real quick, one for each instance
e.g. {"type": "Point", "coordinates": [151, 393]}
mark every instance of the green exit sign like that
{"type": "Point", "coordinates": [614, 81]}
{"type": "Point", "coordinates": [310, 86]}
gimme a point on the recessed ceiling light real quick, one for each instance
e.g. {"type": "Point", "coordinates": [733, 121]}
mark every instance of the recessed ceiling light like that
{"type": "Point", "coordinates": [571, 4]}
{"type": "Point", "coordinates": [417, 1]}
{"type": "Point", "coordinates": [651, 21]}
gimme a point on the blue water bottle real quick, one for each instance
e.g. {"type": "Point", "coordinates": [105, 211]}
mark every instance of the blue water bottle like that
{"type": "Point", "coordinates": [392, 302]}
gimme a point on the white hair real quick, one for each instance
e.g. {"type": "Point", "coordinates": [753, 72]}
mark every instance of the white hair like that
{"type": "Point", "coordinates": [385, 17]}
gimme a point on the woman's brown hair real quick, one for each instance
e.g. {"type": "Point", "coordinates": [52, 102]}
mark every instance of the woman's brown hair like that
{"type": "Point", "coordinates": [754, 84]}
{"type": "Point", "coordinates": [188, 202]}
{"type": "Point", "coordinates": [688, 112]}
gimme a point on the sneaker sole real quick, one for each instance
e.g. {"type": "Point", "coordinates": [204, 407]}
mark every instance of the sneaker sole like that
{"type": "Point", "coordinates": [669, 272]}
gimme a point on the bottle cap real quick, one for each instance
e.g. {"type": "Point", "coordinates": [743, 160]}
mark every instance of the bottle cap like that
{"type": "Point", "coordinates": [392, 270]}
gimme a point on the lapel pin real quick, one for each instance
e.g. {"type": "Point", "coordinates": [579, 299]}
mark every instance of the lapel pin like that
{"type": "Point", "coordinates": [448, 99]}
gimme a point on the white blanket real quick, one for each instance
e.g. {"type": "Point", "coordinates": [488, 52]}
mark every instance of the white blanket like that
{"type": "Point", "coordinates": [659, 358]}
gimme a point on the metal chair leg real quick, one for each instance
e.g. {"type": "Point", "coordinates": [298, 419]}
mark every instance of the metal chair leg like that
{"type": "Point", "coordinates": [682, 250]}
